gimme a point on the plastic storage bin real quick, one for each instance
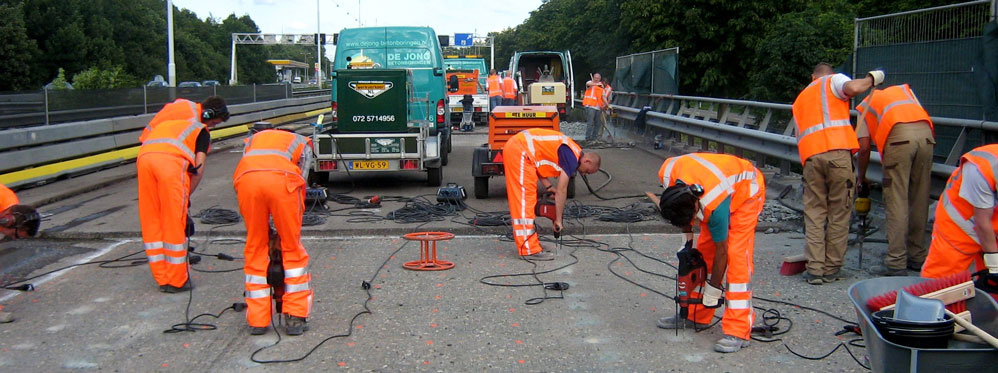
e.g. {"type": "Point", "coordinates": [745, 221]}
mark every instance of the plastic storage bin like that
{"type": "Point", "coordinates": [886, 356]}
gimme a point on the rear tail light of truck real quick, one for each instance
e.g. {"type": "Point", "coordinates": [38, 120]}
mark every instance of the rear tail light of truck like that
{"type": "Point", "coordinates": [440, 112]}
{"type": "Point", "coordinates": [491, 169]}
{"type": "Point", "coordinates": [333, 112]}
{"type": "Point", "coordinates": [327, 165]}
{"type": "Point", "coordinates": [410, 164]}
{"type": "Point", "coordinates": [478, 109]}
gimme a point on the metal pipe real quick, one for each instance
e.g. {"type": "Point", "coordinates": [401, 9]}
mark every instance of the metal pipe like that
{"type": "Point", "coordinates": [925, 10]}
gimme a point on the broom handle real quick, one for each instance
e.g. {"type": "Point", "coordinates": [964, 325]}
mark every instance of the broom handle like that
{"type": "Point", "coordinates": [974, 329]}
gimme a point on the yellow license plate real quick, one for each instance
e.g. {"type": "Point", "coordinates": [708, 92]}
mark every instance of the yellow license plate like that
{"type": "Point", "coordinates": [457, 109]}
{"type": "Point", "coordinates": [547, 93]}
{"type": "Point", "coordinates": [524, 115]}
{"type": "Point", "coordinates": [369, 165]}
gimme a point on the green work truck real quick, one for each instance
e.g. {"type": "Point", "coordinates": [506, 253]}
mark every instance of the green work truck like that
{"type": "Point", "coordinates": [389, 105]}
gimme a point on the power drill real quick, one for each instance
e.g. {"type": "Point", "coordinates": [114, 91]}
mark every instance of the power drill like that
{"type": "Point", "coordinates": [692, 274]}
{"type": "Point", "coordinates": [547, 208]}
{"type": "Point", "coordinates": [275, 271]}
{"type": "Point", "coordinates": [862, 205]}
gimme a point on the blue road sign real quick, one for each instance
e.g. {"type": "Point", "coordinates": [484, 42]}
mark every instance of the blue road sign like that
{"type": "Point", "coordinates": [463, 40]}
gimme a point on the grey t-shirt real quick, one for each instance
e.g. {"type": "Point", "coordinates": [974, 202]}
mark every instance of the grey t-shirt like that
{"type": "Point", "coordinates": [974, 188]}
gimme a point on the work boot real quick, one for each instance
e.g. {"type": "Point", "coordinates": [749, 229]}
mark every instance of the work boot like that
{"type": "Point", "coordinates": [541, 256]}
{"type": "Point", "coordinates": [170, 289]}
{"type": "Point", "coordinates": [730, 344]}
{"type": "Point", "coordinates": [813, 279]}
{"type": "Point", "coordinates": [838, 275]}
{"type": "Point", "coordinates": [887, 271]}
{"type": "Point", "coordinates": [258, 330]}
{"type": "Point", "coordinates": [296, 325]}
{"type": "Point", "coordinates": [917, 267]}
{"type": "Point", "coordinates": [674, 322]}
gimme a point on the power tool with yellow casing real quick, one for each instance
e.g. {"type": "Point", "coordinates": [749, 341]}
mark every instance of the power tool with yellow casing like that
{"type": "Point", "coordinates": [862, 205]}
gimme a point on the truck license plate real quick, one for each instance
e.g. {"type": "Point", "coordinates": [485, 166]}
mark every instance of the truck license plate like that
{"type": "Point", "coordinates": [369, 165]}
{"type": "Point", "coordinates": [524, 115]}
{"type": "Point", "coordinates": [457, 109]}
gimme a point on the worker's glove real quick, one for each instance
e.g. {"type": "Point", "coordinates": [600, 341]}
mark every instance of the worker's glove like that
{"type": "Point", "coordinates": [991, 261]}
{"type": "Point", "coordinates": [878, 76]}
{"type": "Point", "coordinates": [711, 296]}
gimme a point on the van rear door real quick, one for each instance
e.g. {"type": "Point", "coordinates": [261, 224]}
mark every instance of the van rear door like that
{"type": "Point", "coordinates": [570, 82]}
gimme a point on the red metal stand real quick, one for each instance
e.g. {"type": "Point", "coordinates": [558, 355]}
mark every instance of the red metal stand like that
{"type": "Point", "coordinates": [427, 252]}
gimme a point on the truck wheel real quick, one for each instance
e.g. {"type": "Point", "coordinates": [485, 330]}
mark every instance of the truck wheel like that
{"type": "Point", "coordinates": [434, 176]}
{"type": "Point", "coordinates": [444, 157]}
{"type": "Point", "coordinates": [482, 187]}
{"type": "Point", "coordinates": [450, 144]}
{"type": "Point", "coordinates": [571, 188]}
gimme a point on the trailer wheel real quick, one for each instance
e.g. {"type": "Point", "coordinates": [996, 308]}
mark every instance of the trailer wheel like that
{"type": "Point", "coordinates": [450, 144]}
{"type": "Point", "coordinates": [571, 188]}
{"type": "Point", "coordinates": [482, 187]}
{"type": "Point", "coordinates": [434, 176]}
{"type": "Point", "coordinates": [444, 157]}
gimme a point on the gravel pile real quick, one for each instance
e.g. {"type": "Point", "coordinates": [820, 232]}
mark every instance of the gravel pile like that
{"type": "Point", "coordinates": [773, 211]}
{"type": "Point", "coordinates": [575, 130]}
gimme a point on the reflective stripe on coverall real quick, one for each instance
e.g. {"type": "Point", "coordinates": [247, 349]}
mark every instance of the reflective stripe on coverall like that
{"type": "Point", "coordinates": [181, 109]}
{"type": "Point", "coordinates": [822, 121]}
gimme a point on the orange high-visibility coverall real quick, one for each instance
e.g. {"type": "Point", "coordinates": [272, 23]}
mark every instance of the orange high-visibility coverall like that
{"type": "Point", "coordinates": [181, 109]}
{"type": "Point", "coordinates": [724, 176]}
{"type": "Point", "coordinates": [955, 245]}
{"type": "Point", "coordinates": [508, 88]}
{"type": "Point", "coordinates": [528, 155]}
{"type": "Point", "coordinates": [164, 189]}
{"type": "Point", "coordinates": [269, 183]}
{"type": "Point", "coordinates": [7, 198]}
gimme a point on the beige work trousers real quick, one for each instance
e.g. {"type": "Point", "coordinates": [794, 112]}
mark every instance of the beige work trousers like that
{"type": "Point", "coordinates": [907, 159]}
{"type": "Point", "coordinates": [829, 183]}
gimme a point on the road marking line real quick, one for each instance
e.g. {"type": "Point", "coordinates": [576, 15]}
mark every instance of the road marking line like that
{"type": "Point", "coordinates": [53, 275]}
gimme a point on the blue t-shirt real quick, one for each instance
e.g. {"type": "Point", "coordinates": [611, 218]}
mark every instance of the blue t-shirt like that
{"type": "Point", "coordinates": [719, 221]}
{"type": "Point", "coordinates": [567, 160]}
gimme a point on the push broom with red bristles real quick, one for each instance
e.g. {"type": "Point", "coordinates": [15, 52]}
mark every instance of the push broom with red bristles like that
{"type": "Point", "coordinates": [953, 291]}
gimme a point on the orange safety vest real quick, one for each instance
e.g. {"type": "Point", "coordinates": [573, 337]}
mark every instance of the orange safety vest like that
{"type": "Point", "coordinates": [495, 86]}
{"type": "Point", "coordinates": [181, 109]}
{"type": "Point", "coordinates": [954, 215]}
{"type": "Point", "coordinates": [542, 145]}
{"type": "Point", "coordinates": [173, 137]}
{"type": "Point", "coordinates": [594, 97]}
{"type": "Point", "coordinates": [7, 198]}
{"type": "Point", "coordinates": [822, 121]}
{"type": "Point", "coordinates": [508, 88]}
{"type": "Point", "coordinates": [720, 175]}
{"type": "Point", "coordinates": [275, 150]}
{"type": "Point", "coordinates": [883, 109]}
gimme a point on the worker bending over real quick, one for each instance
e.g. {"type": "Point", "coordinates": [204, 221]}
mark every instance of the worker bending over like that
{"type": "Point", "coordinates": [966, 220]}
{"type": "Point", "coordinates": [16, 222]}
{"type": "Point", "coordinates": [170, 163]}
{"type": "Point", "coordinates": [826, 142]}
{"type": "Point", "coordinates": [538, 154]}
{"type": "Point", "coordinates": [902, 131]}
{"type": "Point", "coordinates": [212, 109]}
{"type": "Point", "coordinates": [723, 195]}
{"type": "Point", "coordinates": [270, 184]}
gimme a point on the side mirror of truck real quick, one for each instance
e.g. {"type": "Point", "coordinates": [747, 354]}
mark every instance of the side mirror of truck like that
{"type": "Point", "coordinates": [437, 71]}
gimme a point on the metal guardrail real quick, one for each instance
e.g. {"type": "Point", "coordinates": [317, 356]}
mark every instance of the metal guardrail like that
{"type": "Point", "coordinates": [47, 107]}
{"type": "Point", "coordinates": [766, 130]}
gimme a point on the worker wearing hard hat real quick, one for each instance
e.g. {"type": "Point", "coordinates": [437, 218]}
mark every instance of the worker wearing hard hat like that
{"type": "Point", "coordinates": [902, 130]}
{"type": "Point", "coordinates": [535, 155]}
{"type": "Point", "coordinates": [826, 142]}
{"type": "Point", "coordinates": [270, 184]}
{"type": "Point", "coordinates": [211, 112]}
{"type": "Point", "coordinates": [722, 195]}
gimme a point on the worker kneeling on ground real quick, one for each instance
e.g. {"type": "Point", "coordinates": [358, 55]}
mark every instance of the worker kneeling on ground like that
{"type": "Point", "coordinates": [170, 164]}
{"type": "Point", "coordinates": [538, 154]}
{"type": "Point", "coordinates": [270, 183]}
{"type": "Point", "coordinates": [722, 194]}
{"type": "Point", "coordinates": [16, 222]}
{"type": "Point", "coordinates": [965, 227]}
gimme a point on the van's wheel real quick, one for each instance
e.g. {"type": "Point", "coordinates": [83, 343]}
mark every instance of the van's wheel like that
{"type": "Point", "coordinates": [444, 157]}
{"type": "Point", "coordinates": [482, 187]}
{"type": "Point", "coordinates": [450, 143]}
{"type": "Point", "coordinates": [434, 176]}
{"type": "Point", "coordinates": [571, 188]}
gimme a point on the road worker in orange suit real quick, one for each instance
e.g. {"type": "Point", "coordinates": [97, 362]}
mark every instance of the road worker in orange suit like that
{"type": "Point", "coordinates": [963, 235]}
{"type": "Point", "coordinates": [826, 142]}
{"type": "Point", "coordinates": [16, 222]}
{"type": "Point", "coordinates": [212, 109]}
{"type": "Point", "coordinates": [270, 183]}
{"type": "Point", "coordinates": [538, 154]}
{"type": "Point", "coordinates": [902, 131]}
{"type": "Point", "coordinates": [170, 165]}
{"type": "Point", "coordinates": [508, 90]}
{"type": "Point", "coordinates": [722, 195]}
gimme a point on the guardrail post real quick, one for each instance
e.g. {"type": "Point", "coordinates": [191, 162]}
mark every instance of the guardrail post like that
{"type": "Point", "coordinates": [784, 167]}
{"type": "Point", "coordinates": [145, 101]}
{"type": "Point", "coordinates": [254, 92]}
{"type": "Point", "coordinates": [46, 105]}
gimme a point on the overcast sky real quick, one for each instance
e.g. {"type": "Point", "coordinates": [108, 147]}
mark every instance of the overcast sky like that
{"type": "Point", "coordinates": [298, 16]}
